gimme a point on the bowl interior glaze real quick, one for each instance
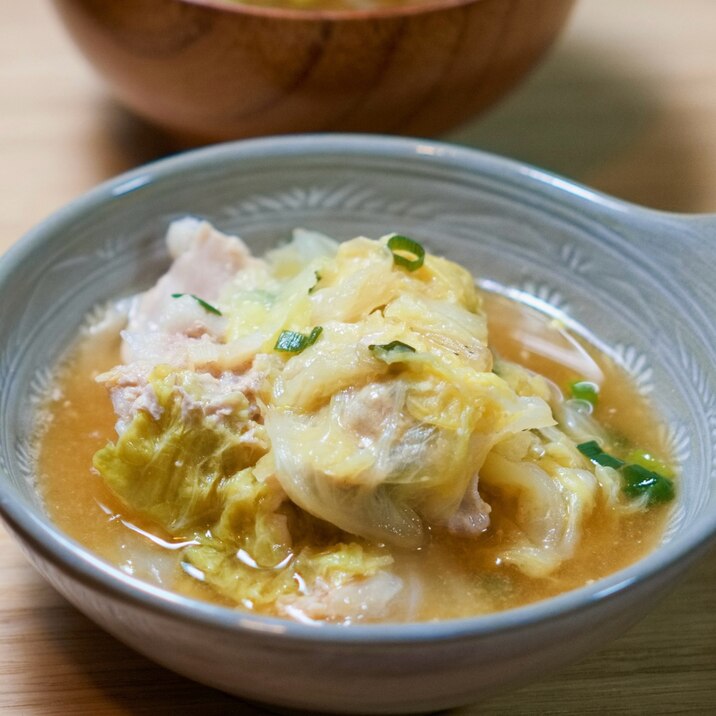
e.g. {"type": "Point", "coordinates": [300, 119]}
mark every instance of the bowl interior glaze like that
{"type": "Point", "coordinates": [635, 282]}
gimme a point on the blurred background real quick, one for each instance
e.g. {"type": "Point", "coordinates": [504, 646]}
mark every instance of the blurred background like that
{"type": "Point", "coordinates": [624, 102]}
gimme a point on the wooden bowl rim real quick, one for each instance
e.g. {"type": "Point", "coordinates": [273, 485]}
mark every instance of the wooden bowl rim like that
{"type": "Point", "coordinates": [419, 7]}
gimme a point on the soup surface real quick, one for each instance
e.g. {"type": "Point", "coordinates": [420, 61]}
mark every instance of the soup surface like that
{"type": "Point", "coordinates": [516, 543]}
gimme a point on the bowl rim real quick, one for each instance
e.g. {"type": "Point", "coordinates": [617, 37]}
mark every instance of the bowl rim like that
{"type": "Point", "coordinates": [73, 558]}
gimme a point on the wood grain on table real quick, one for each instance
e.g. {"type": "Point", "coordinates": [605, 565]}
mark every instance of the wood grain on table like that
{"type": "Point", "coordinates": [626, 103]}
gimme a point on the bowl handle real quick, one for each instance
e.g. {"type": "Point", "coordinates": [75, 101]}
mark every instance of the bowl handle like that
{"type": "Point", "coordinates": [702, 230]}
{"type": "Point", "coordinates": [688, 248]}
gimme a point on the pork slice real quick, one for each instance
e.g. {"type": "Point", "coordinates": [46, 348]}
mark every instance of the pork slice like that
{"type": "Point", "coordinates": [351, 602]}
{"type": "Point", "coordinates": [131, 391]}
{"type": "Point", "coordinates": [472, 516]}
{"type": "Point", "coordinates": [162, 328]}
{"type": "Point", "coordinates": [216, 395]}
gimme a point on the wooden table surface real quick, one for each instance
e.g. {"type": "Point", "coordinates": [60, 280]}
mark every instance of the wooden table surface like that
{"type": "Point", "coordinates": [626, 103]}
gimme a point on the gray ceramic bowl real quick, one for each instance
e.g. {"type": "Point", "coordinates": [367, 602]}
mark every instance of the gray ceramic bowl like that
{"type": "Point", "coordinates": [641, 281]}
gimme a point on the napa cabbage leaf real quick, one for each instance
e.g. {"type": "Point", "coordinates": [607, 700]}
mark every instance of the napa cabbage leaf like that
{"type": "Point", "coordinates": [195, 475]}
{"type": "Point", "coordinates": [176, 470]}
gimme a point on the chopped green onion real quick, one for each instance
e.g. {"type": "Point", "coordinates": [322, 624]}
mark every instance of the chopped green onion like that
{"type": "Point", "coordinates": [639, 481]}
{"type": "Point", "coordinates": [313, 335]}
{"type": "Point", "coordinates": [650, 462]}
{"type": "Point", "coordinates": [295, 342]}
{"type": "Point", "coordinates": [585, 390]}
{"type": "Point", "coordinates": [315, 285]}
{"type": "Point", "coordinates": [592, 450]}
{"type": "Point", "coordinates": [397, 346]}
{"type": "Point", "coordinates": [390, 352]}
{"type": "Point", "coordinates": [206, 306]}
{"type": "Point", "coordinates": [416, 253]}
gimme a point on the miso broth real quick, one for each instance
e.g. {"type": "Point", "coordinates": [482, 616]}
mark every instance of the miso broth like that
{"type": "Point", "coordinates": [447, 577]}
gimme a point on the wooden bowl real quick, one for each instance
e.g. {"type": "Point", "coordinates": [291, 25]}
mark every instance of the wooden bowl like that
{"type": "Point", "coordinates": [211, 70]}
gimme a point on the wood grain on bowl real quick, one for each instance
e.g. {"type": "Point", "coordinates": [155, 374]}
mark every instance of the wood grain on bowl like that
{"type": "Point", "coordinates": [213, 71]}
